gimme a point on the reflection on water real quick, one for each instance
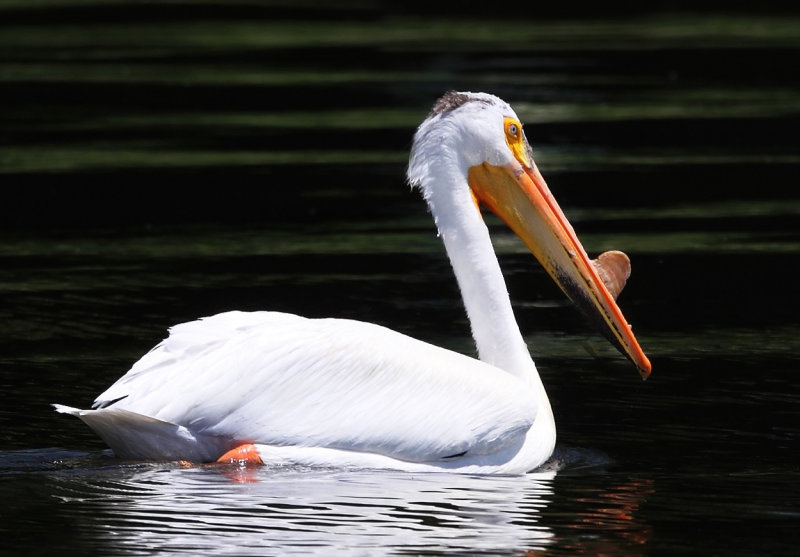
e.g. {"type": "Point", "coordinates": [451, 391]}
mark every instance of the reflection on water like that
{"type": "Point", "coordinates": [118, 508]}
{"type": "Point", "coordinates": [248, 511]}
{"type": "Point", "coordinates": [610, 523]}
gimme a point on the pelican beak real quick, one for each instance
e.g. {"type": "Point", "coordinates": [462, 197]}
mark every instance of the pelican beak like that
{"type": "Point", "coordinates": [518, 194]}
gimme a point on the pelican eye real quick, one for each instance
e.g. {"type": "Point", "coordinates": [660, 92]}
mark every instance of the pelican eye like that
{"type": "Point", "coordinates": [513, 130]}
{"type": "Point", "coordinates": [516, 141]}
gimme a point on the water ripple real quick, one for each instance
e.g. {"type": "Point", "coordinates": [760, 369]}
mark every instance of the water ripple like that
{"type": "Point", "coordinates": [134, 509]}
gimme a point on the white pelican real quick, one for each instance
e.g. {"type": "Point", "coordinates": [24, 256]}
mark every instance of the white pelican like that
{"type": "Point", "coordinates": [278, 388]}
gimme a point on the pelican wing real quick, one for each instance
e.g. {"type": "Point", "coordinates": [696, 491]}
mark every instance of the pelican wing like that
{"type": "Point", "coordinates": [279, 379]}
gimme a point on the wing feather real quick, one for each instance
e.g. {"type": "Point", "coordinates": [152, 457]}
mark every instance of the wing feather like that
{"type": "Point", "coordinates": [280, 379]}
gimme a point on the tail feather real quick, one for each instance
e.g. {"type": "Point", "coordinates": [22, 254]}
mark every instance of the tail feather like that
{"type": "Point", "coordinates": [136, 436]}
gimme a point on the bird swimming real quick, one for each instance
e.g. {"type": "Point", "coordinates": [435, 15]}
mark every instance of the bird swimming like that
{"type": "Point", "coordinates": [278, 388]}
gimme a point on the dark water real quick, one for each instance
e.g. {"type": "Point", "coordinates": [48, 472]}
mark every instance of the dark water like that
{"type": "Point", "coordinates": [162, 162]}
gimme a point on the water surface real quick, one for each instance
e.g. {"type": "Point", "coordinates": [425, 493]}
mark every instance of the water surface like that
{"type": "Point", "coordinates": [165, 162]}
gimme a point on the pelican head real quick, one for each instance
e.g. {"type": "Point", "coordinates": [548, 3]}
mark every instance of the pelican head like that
{"type": "Point", "coordinates": [470, 152]}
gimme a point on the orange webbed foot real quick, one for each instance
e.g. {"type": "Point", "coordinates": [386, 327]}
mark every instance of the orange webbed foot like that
{"type": "Point", "coordinates": [243, 455]}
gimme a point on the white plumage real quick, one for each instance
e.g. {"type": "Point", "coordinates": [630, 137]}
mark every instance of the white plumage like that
{"type": "Point", "coordinates": [282, 380]}
{"type": "Point", "coordinates": [337, 392]}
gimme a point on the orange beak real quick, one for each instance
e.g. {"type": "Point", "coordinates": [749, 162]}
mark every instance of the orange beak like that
{"type": "Point", "coordinates": [518, 194]}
